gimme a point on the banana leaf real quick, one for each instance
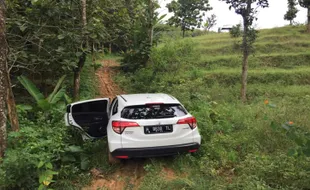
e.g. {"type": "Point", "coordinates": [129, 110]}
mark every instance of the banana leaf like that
{"type": "Point", "coordinates": [31, 88]}
{"type": "Point", "coordinates": [58, 96]}
{"type": "Point", "coordinates": [51, 97]}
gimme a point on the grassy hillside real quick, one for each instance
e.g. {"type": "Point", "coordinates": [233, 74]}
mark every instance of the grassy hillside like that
{"type": "Point", "coordinates": [244, 146]}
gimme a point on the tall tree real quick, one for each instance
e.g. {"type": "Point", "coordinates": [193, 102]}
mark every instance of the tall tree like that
{"type": "Point", "coordinates": [291, 12]}
{"type": "Point", "coordinates": [82, 58]}
{"type": "Point", "coordinates": [306, 4]}
{"type": "Point", "coordinates": [211, 22]}
{"type": "Point", "coordinates": [247, 9]}
{"type": "Point", "coordinates": [187, 13]}
{"type": "Point", "coordinates": [3, 83]}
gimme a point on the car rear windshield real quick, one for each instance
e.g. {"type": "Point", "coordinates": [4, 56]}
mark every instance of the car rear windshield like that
{"type": "Point", "coordinates": [153, 111]}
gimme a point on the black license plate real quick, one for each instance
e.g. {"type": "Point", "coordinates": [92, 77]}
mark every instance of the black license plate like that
{"type": "Point", "coordinates": [158, 129]}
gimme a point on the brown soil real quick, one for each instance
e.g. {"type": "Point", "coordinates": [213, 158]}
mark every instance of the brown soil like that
{"type": "Point", "coordinates": [107, 87]}
{"type": "Point", "coordinates": [168, 174]}
{"type": "Point", "coordinates": [129, 176]}
{"type": "Point", "coordinates": [131, 172]}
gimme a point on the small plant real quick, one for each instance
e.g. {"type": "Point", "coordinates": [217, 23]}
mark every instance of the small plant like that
{"type": "Point", "coordinates": [236, 31]}
{"type": "Point", "coordinates": [46, 174]}
{"type": "Point", "coordinates": [45, 103]}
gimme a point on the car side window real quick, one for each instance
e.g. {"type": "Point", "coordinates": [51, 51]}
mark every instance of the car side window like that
{"type": "Point", "coordinates": [111, 105]}
{"type": "Point", "coordinates": [115, 108]}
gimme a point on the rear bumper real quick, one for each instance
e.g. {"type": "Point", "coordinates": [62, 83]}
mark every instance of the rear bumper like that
{"type": "Point", "coordinates": [155, 151]}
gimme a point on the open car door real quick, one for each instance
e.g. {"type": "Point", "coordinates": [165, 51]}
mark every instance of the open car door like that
{"type": "Point", "coordinates": [90, 117]}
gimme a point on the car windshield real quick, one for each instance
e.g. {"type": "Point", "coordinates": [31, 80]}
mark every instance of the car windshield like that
{"type": "Point", "coordinates": [153, 111]}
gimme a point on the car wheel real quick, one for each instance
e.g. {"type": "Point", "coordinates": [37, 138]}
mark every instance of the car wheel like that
{"type": "Point", "coordinates": [111, 159]}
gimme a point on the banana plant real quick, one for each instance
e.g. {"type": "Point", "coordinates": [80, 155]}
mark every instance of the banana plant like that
{"type": "Point", "coordinates": [45, 103]}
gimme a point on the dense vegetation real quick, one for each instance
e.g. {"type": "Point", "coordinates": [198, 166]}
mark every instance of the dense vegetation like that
{"type": "Point", "coordinates": [261, 145]}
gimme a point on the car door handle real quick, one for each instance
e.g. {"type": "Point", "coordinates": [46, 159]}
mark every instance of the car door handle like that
{"type": "Point", "coordinates": [98, 118]}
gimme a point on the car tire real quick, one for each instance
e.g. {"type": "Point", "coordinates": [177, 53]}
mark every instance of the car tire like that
{"type": "Point", "coordinates": [112, 160]}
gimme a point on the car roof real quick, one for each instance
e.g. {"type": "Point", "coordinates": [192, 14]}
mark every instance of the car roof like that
{"type": "Point", "coordinates": [141, 99]}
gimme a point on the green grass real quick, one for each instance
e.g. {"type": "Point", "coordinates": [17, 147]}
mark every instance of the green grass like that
{"type": "Point", "coordinates": [89, 85]}
{"type": "Point", "coordinates": [278, 60]}
{"type": "Point", "coordinates": [244, 145]}
{"type": "Point", "coordinates": [260, 48]}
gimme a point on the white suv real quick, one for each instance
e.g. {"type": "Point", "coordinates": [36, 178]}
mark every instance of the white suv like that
{"type": "Point", "coordinates": [137, 125]}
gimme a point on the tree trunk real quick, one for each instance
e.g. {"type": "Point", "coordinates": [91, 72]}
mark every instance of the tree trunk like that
{"type": "Point", "coordinates": [244, 76]}
{"type": "Point", "coordinates": [77, 78]}
{"type": "Point", "coordinates": [3, 72]}
{"type": "Point", "coordinates": [110, 48]}
{"type": "Point", "coordinates": [183, 33]}
{"type": "Point", "coordinates": [11, 106]}
{"type": "Point", "coordinates": [245, 47]}
{"type": "Point", "coordinates": [77, 71]}
{"type": "Point", "coordinates": [84, 21]}
{"type": "Point", "coordinates": [308, 16]}
{"type": "Point", "coordinates": [76, 85]}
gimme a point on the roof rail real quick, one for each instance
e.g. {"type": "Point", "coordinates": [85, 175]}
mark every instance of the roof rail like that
{"type": "Point", "coordinates": [123, 98]}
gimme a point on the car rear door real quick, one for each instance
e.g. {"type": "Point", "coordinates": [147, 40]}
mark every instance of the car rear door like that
{"type": "Point", "coordinates": [90, 117]}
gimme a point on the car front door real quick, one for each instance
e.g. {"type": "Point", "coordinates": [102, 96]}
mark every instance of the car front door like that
{"type": "Point", "coordinates": [90, 117]}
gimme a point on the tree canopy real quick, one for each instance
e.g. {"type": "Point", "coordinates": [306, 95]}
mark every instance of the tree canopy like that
{"type": "Point", "coordinates": [292, 11]}
{"type": "Point", "coordinates": [188, 14]}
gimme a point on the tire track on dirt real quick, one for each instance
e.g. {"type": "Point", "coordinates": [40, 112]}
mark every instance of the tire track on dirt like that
{"type": "Point", "coordinates": [107, 87]}
{"type": "Point", "coordinates": [131, 172]}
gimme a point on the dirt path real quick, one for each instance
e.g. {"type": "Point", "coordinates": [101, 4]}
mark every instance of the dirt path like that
{"type": "Point", "coordinates": [107, 87]}
{"type": "Point", "coordinates": [131, 172]}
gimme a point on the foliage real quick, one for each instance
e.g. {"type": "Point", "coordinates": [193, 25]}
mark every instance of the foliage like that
{"type": "Point", "coordinates": [35, 152]}
{"type": "Point", "coordinates": [241, 148]}
{"type": "Point", "coordinates": [292, 11]}
{"type": "Point", "coordinates": [43, 33]}
{"type": "Point", "coordinates": [138, 52]}
{"type": "Point", "coordinates": [59, 93]}
{"type": "Point", "coordinates": [249, 15]}
{"type": "Point", "coordinates": [304, 3]}
{"type": "Point", "coordinates": [236, 32]}
{"type": "Point", "coordinates": [89, 84]}
{"type": "Point", "coordinates": [211, 22]}
{"type": "Point", "coordinates": [187, 13]}
{"type": "Point", "coordinates": [46, 36]}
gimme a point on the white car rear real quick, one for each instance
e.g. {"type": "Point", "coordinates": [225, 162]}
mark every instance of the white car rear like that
{"type": "Point", "coordinates": [137, 125]}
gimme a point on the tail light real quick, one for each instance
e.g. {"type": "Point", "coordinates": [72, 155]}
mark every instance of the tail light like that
{"type": "Point", "coordinates": [119, 126]}
{"type": "Point", "coordinates": [122, 157]}
{"type": "Point", "coordinates": [191, 121]}
{"type": "Point", "coordinates": [193, 150]}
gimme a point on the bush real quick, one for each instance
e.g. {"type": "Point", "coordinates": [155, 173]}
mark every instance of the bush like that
{"type": "Point", "coordinates": [39, 141]}
{"type": "Point", "coordinates": [44, 153]}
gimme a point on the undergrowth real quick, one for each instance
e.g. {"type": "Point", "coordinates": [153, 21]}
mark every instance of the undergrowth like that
{"type": "Point", "coordinates": [244, 146]}
{"type": "Point", "coordinates": [47, 154]}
